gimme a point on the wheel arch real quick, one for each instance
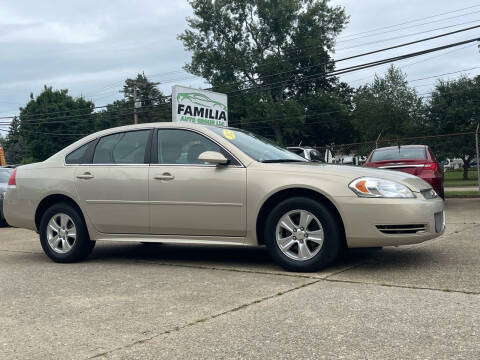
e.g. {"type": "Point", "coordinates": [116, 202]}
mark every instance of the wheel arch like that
{"type": "Point", "coordinates": [281, 195]}
{"type": "Point", "coordinates": [51, 200]}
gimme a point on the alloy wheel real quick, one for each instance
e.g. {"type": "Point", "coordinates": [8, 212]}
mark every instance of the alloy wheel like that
{"type": "Point", "coordinates": [299, 235]}
{"type": "Point", "coordinates": [61, 233]}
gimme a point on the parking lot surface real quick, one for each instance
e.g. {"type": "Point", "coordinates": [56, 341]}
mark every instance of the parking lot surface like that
{"type": "Point", "coordinates": [130, 301]}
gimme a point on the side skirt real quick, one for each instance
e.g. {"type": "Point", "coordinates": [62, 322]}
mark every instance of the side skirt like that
{"type": "Point", "coordinates": [174, 239]}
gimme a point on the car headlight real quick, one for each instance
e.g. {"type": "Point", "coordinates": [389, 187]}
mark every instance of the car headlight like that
{"type": "Point", "coordinates": [379, 188]}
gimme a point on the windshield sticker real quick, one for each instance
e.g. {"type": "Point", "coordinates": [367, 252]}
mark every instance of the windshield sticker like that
{"type": "Point", "coordinates": [229, 134]}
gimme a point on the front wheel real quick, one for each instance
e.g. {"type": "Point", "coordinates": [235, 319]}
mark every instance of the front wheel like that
{"type": "Point", "coordinates": [302, 235]}
{"type": "Point", "coordinates": [63, 234]}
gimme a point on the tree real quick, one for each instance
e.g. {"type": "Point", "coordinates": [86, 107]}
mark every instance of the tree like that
{"type": "Point", "coordinates": [14, 145]}
{"type": "Point", "coordinates": [154, 106]}
{"type": "Point", "coordinates": [387, 106]}
{"type": "Point", "coordinates": [279, 47]}
{"type": "Point", "coordinates": [455, 108]}
{"type": "Point", "coordinates": [69, 120]}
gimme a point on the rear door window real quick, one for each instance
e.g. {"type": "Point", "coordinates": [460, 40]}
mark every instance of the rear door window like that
{"type": "Point", "coordinates": [122, 148]}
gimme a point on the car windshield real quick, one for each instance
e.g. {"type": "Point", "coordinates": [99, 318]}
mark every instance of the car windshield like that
{"type": "Point", "coordinates": [4, 175]}
{"type": "Point", "coordinates": [399, 154]}
{"type": "Point", "coordinates": [257, 147]}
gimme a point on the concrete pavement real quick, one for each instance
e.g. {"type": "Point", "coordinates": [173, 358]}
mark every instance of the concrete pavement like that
{"type": "Point", "coordinates": [129, 301]}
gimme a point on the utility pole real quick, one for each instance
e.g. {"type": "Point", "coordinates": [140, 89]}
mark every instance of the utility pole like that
{"type": "Point", "coordinates": [478, 157]}
{"type": "Point", "coordinates": [135, 115]}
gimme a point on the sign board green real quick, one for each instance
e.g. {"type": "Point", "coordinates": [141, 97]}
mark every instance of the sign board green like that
{"type": "Point", "coordinates": [199, 106]}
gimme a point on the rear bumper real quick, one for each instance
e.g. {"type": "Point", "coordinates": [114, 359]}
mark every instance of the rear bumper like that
{"type": "Point", "coordinates": [17, 211]}
{"type": "Point", "coordinates": [362, 216]}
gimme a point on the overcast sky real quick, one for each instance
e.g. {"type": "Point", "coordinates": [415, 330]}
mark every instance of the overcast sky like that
{"type": "Point", "coordinates": [90, 47]}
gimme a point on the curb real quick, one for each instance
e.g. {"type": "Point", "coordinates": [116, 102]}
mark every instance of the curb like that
{"type": "Point", "coordinates": [462, 197]}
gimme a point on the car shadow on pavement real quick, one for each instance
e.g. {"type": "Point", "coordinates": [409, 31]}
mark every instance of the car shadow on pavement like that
{"type": "Point", "coordinates": [254, 258]}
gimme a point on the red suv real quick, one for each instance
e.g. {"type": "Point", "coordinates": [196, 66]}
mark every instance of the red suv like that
{"type": "Point", "coordinates": [413, 159]}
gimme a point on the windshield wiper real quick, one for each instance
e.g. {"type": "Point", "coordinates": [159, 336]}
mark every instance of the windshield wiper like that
{"type": "Point", "coordinates": [282, 160]}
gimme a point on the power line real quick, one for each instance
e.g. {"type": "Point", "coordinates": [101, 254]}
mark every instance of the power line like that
{"type": "Point", "coordinates": [410, 21]}
{"type": "Point", "coordinates": [408, 35]}
{"type": "Point", "coordinates": [409, 27]}
{"type": "Point", "coordinates": [356, 56]}
{"type": "Point", "coordinates": [449, 73]}
{"type": "Point", "coordinates": [358, 67]}
{"type": "Point", "coordinates": [332, 73]}
{"type": "Point", "coordinates": [331, 62]}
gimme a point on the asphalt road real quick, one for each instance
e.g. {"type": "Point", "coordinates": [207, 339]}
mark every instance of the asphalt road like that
{"type": "Point", "coordinates": [129, 301]}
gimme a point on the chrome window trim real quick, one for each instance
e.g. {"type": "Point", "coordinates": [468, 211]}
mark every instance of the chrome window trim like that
{"type": "Point", "coordinates": [151, 164]}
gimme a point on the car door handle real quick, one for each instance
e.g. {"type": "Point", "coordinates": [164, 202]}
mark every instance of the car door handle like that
{"type": "Point", "coordinates": [164, 176]}
{"type": "Point", "coordinates": [85, 176]}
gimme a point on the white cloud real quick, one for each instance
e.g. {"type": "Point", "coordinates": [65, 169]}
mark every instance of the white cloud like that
{"type": "Point", "coordinates": [53, 32]}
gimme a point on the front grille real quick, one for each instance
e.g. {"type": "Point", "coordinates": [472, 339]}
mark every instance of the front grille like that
{"type": "Point", "coordinates": [439, 221]}
{"type": "Point", "coordinates": [401, 229]}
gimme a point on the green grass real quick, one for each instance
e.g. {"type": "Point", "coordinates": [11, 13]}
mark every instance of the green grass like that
{"type": "Point", "coordinates": [449, 194]}
{"type": "Point", "coordinates": [455, 178]}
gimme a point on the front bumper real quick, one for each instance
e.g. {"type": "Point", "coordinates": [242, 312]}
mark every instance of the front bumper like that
{"type": "Point", "coordinates": [1, 209]}
{"type": "Point", "coordinates": [365, 221]}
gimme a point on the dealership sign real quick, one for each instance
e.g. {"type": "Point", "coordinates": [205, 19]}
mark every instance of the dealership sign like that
{"type": "Point", "coordinates": [199, 106]}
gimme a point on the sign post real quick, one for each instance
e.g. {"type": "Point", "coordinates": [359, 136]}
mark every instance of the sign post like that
{"type": "Point", "coordinates": [3, 162]}
{"type": "Point", "coordinates": [199, 106]}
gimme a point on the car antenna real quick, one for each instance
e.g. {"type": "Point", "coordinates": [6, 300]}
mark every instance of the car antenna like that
{"type": "Point", "coordinates": [300, 143]}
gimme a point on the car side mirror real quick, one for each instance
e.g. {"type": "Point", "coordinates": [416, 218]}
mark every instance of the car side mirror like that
{"type": "Point", "coordinates": [213, 157]}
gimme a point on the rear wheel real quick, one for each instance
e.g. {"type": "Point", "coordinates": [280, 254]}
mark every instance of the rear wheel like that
{"type": "Point", "coordinates": [63, 234]}
{"type": "Point", "coordinates": [302, 235]}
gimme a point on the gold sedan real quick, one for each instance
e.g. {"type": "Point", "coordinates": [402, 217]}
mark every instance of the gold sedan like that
{"type": "Point", "coordinates": [185, 183]}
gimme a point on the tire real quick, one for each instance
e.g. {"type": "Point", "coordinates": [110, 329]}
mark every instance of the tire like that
{"type": "Point", "coordinates": [73, 248]}
{"type": "Point", "coordinates": [3, 222]}
{"type": "Point", "coordinates": [323, 225]}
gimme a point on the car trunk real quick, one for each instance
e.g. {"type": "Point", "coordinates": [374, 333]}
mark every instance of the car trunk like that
{"type": "Point", "coordinates": [413, 167]}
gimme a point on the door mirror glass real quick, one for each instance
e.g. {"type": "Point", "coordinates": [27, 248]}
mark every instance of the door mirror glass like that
{"type": "Point", "coordinates": [213, 157]}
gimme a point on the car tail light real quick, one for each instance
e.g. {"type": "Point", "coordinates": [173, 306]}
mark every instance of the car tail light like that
{"type": "Point", "coordinates": [431, 166]}
{"type": "Point", "coordinates": [12, 181]}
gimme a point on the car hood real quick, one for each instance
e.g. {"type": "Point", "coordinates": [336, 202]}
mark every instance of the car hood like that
{"type": "Point", "coordinates": [350, 173]}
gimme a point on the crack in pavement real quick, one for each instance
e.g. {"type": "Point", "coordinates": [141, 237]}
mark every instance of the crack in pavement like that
{"type": "Point", "coordinates": [413, 287]}
{"type": "Point", "coordinates": [21, 251]}
{"type": "Point", "coordinates": [265, 298]}
{"type": "Point", "coordinates": [208, 318]}
{"type": "Point", "coordinates": [204, 267]}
